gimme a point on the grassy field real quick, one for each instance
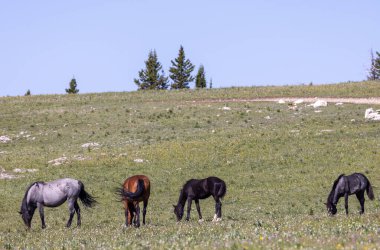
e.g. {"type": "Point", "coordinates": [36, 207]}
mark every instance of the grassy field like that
{"type": "Point", "coordinates": [278, 164]}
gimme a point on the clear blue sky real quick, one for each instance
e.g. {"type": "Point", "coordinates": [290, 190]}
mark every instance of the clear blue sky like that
{"type": "Point", "coordinates": [240, 43]}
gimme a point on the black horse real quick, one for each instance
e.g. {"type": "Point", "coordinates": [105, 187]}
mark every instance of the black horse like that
{"type": "Point", "coordinates": [201, 189]}
{"type": "Point", "coordinates": [356, 183]}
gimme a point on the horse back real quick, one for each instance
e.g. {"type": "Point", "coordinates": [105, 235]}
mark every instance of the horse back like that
{"type": "Point", "coordinates": [204, 188]}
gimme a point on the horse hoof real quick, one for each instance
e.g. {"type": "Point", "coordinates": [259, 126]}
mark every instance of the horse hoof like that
{"type": "Point", "coordinates": [217, 219]}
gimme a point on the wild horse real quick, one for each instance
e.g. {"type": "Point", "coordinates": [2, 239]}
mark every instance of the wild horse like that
{"type": "Point", "coordinates": [54, 194]}
{"type": "Point", "coordinates": [200, 189]}
{"type": "Point", "coordinates": [134, 190]}
{"type": "Point", "coordinates": [356, 183]}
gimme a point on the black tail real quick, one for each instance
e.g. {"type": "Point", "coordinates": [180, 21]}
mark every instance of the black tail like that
{"type": "Point", "coordinates": [370, 194]}
{"type": "Point", "coordinates": [130, 195]}
{"type": "Point", "coordinates": [222, 190]}
{"type": "Point", "coordinates": [86, 198]}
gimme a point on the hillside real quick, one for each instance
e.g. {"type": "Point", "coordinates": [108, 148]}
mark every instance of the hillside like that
{"type": "Point", "coordinates": [279, 164]}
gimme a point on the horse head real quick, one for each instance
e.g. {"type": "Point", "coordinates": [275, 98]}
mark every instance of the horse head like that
{"type": "Point", "coordinates": [27, 209]}
{"type": "Point", "coordinates": [178, 211]}
{"type": "Point", "coordinates": [27, 214]}
{"type": "Point", "coordinates": [331, 208]}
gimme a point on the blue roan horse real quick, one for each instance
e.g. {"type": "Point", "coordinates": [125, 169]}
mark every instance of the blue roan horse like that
{"type": "Point", "coordinates": [53, 194]}
{"type": "Point", "coordinates": [201, 189]}
{"type": "Point", "coordinates": [347, 185]}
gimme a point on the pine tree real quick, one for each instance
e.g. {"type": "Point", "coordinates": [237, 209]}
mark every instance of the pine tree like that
{"type": "Point", "coordinates": [374, 70]}
{"type": "Point", "coordinates": [73, 87]}
{"type": "Point", "coordinates": [28, 93]}
{"type": "Point", "coordinates": [200, 79]}
{"type": "Point", "coordinates": [377, 65]}
{"type": "Point", "coordinates": [150, 77]}
{"type": "Point", "coordinates": [210, 83]}
{"type": "Point", "coordinates": [181, 71]}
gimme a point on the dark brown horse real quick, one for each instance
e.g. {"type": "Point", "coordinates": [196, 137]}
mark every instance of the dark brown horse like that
{"type": "Point", "coordinates": [197, 190]}
{"type": "Point", "coordinates": [344, 186]}
{"type": "Point", "coordinates": [134, 190]}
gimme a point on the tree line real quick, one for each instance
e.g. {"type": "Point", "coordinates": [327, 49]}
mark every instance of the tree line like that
{"type": "Point", "coordinates": [153, 76]}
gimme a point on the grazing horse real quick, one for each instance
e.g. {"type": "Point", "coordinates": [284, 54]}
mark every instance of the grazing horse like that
{"type": "Point", "coordinates": [134, 190]}
{"type": "Point", "coordinates": [356, 183]}
{"type": "Point", "coordinates": [200, 189]}
{"type": "Point", "coordinates": [54, 194]}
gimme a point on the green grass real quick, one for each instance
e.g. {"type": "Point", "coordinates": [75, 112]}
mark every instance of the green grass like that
{"type": "Point", "coordinates": [278, 171]}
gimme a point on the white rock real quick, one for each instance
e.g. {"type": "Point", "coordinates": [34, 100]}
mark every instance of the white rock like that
{"type": "Point", "coordinates": [371, 114]}
{"type": "Point", "coordinates": [319, 103]}
{"type": "Point", "coordinates": [90, 144]}
{"type": "Point", "coordinates": [4, 139]}
{"type": "Point", "coordinates": [58, 161]}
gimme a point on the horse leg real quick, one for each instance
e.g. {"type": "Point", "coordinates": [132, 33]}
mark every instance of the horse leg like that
{"type": "Point", "coordinates": [218, 210]}
{"type": "Point", "coordinates": [144, 210]}
{"type": "Point", "coordinates": [126, 216]}
{"type": "Point", "coordinates": [71, 211]}
{"type": "Point", "coordinates": [137, 219]}
{"type": "Point", "coordinates": [77, 210]}
{"type": "Point", "coordinates": [199, 210]}
{"type": "Point", "coordinates": [361, 199]}
{"type": "Point", "coordinates": [189, 200]}
{"type": "Point", "coordinates": [42, 216]}
{"type": "Point", "coordinates": [346, 202]}
{"type": "Point", "coordinates": [129, 213]}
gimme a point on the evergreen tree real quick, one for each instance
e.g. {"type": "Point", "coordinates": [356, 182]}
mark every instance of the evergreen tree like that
{"type": "Point", "coordinates": [73, 87]}
{"type": "Point", "coordinates": [27, 93]}
{"type": "Point", "coordinates": [374, 70]}
{"type": "Point", "coordinates": [150, 77]}
{"type": "Point", "coordinates": [377, 65]}
{"type": "Point", "coordinates": [210, 83]}
{"type": "Point", "coordinates": [181, 71]}
{"type": "Point", "coordinates": [200, 79]}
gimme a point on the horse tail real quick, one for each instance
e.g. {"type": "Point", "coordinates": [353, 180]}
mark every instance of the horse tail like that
{"type": "Point", "coordinates": [222, 190]}
{"type": "Point", "coordinates": [132, 195]}
{"type": "Point", "coordinates": [370, 194]}
{"type": "Point", "coordinates": [86, 198]}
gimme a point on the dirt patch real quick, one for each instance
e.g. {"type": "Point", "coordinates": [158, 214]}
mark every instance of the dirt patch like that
{"type": "Point", "coordinates": [5, 175]}
{"type": "Point", "coordinates": [374, 100]}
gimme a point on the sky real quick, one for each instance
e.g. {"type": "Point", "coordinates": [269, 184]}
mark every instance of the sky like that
{"type": "Point", "coordinates": [104, 43]}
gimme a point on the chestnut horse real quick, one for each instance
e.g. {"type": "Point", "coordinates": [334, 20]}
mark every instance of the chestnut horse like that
{"type": "Point", "coordinates": [134, 190]}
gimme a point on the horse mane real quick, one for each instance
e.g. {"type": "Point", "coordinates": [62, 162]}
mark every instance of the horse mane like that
{"type": "Point", "coordinates": [24, 203]}
{"type": "Point", "coordinates": [329, 199]}
{"type": "Point", "coordinates": [182, 198]}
